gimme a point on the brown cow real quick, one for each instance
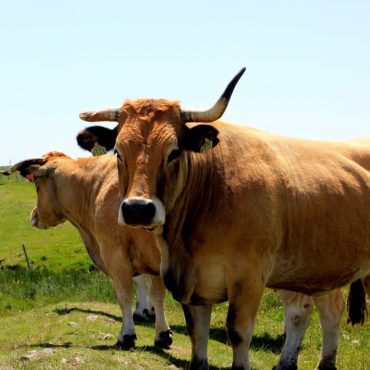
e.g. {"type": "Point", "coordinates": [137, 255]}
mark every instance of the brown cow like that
{"type": "Point", "coordinates": [298, 308]}
{"type": "Point", "coordinates": [257, 210]}
{"type": "Point", "coordinates": [85, 192]}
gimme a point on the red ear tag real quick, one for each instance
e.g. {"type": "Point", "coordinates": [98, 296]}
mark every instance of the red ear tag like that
{"type": "Point", "coordinates": [30, 177]}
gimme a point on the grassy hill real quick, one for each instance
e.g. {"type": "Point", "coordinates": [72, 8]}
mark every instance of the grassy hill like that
{"type": "Point", "coordinates": [64, 307]}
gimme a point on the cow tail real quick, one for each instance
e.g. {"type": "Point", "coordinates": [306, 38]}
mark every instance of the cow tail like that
{"type": "Point", "coordinates": [356, 304]}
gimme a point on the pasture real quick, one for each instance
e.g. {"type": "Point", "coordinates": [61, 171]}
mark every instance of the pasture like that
{"type": "Point", "coordinates": [66, 308]}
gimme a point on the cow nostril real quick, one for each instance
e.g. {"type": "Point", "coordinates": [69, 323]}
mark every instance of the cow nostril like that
{"type": "Point", "coordinates": [138, 212]}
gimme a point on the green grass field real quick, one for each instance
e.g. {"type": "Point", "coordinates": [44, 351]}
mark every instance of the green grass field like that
{"type": "Point", "coordinates": [66, 308]}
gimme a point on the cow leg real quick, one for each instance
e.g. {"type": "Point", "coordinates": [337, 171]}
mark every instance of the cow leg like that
{"type": "Point", "coordinates": [244, 298]}
{"type": "Point", "coordinates": [198, 319]}
{"type": "Point", "coordinates": [123, 285]}
{"type": "Point", "coordinates": [330, 307]}
{"type": "Point", "coordinates": [157, 292]}
{"type": "Point", "coordinates": [297, 310]}
{"type": "Point", "coordinates": [144, 307]}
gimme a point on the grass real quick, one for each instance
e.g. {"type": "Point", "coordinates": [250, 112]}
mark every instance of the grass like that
{"type": "Point", "coordinates": [64, 307]}
{"type": "Point", "coordinates": [75, 331]}
{"type": "Point", "coordinates": [21, 289]}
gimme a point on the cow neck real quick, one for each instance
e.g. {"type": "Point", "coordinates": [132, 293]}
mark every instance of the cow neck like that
{"type": "Point", "coordinates": [82, 183]}
{"type": "Point", "coordinates": [198, 200]}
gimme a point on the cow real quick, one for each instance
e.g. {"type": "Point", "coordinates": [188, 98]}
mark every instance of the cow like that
{"type": "Point", "coordinates": [297, 307]}
{"type": "Point", "coordinates": [85, 192]}
{"type": "Point", "coordinates": [144, 309]}
{"type": "Point", "coordinates": [236, 209]}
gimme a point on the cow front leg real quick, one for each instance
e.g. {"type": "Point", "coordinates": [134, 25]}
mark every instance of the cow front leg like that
{"type": "Point", "coordinates": [198, 319]}
{"type": "Point", "coordinates": [330, 308]}
{"type": "Point", "coordinates": [244, 299]}
{"type": "Point", "coordinates": [297, 311]}
{"type": "Point", "coordinates": [157, 293]}
{"type": "Point", "coordinates": [124, 292]}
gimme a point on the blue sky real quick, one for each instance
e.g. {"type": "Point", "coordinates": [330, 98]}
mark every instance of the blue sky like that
{"type": "Point", "coordinates": [308, 65]}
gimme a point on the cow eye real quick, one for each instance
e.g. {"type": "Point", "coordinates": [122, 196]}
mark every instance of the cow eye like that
{"type": "Point", "coordinates": [173, 155]}
{"type": "Point", "coordinates": [117, 155]}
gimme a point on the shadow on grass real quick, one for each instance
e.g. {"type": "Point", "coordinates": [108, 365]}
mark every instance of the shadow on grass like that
{"type": "Point", "coordinates": [268, 343]}
{"type": "Point", "coordinates": [50, 345]}
{"type": "Point", "coordinates": [149, 321]}
{"type": "Point", "coordinates": [66, 311]}
{"type": "Point", "coordinates": [264, 342]}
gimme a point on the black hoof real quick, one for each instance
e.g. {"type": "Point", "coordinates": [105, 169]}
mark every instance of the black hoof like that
{"type": "Point", "coordinates": [150, 313]}
{"type": "Point", "coordinates": [144, 316]}
{"type": "Point", "coordinates": [127, 343]}
{"type": "Point", "coordinates": [164, 340]}
{"type": "Point", "coordinates": [139, 318]}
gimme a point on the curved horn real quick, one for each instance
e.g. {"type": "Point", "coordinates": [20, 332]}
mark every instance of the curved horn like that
{"type": "Point", "coordinates": [217, 110]}
{"type": "Point", "coordinates": [23, 164]}
{"type": "Point", "coordinates": [110, 114]}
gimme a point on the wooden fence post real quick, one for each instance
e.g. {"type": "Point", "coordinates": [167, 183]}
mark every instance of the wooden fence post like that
{"type": "Point", "coordinates": [26, 256]}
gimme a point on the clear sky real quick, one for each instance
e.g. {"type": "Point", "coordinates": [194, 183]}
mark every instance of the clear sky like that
{"type": "Point", "coordinates": [308, 65]}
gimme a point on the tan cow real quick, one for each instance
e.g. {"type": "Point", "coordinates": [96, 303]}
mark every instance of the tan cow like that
{"type": "Point", "coordinates": [144, 308]}
{"type": "Point", "coordinates": [257, 210]}
{"type": "Point", "coordinates": [85, 192]}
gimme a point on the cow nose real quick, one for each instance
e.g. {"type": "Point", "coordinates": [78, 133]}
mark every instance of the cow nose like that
{"type": "Point", "coordinates": [138, 211]}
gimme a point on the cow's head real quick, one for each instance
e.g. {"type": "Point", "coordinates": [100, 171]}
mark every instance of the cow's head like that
{"type": "Point", "coordinates": [152, 145]}
{"type": "Point", "coordinates": [40, 171]}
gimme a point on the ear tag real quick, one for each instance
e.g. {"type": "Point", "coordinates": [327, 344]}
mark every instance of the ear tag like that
{"type": "Point", "coordinates": [98, 150]}
{"type": "Point", "coordinates": [30, 177]}
{"type": "Point", "coordinates": [206, 146]}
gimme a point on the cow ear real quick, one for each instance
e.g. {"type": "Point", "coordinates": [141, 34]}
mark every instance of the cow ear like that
{"type": "Point", "coordinates": [33, 171]}
{"type": "Point", "coordinates": [99, 135]}
{"type": "Point", "coordinates": [200, 138]}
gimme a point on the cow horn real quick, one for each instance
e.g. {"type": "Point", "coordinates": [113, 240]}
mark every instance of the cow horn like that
{"type": "Point", "coordinates": [110, 114]}
{"type": "Point", "coordinates": [18, 166]}
{"type": "Point", "coordinates": [217, 110]}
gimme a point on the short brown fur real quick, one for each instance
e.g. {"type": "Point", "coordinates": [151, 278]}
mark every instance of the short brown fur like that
{"type": "Point", "coordinates": [259, 208]}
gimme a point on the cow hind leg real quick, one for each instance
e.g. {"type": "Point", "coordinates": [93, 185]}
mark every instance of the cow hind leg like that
{"type": "Point", "coordinates": [297, 310]}
{"type": "Point", "coordinates": [144, 308]}
{"type": "Point", "coordinates": [198, 319]}
{"type": "Point", "coordinates": [330, 308]}
{"type": "Point", "coordinates": [157, 292]}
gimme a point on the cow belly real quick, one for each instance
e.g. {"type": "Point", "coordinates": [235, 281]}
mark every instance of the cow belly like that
{"type": "Point", "coordinates": [311, 277]}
